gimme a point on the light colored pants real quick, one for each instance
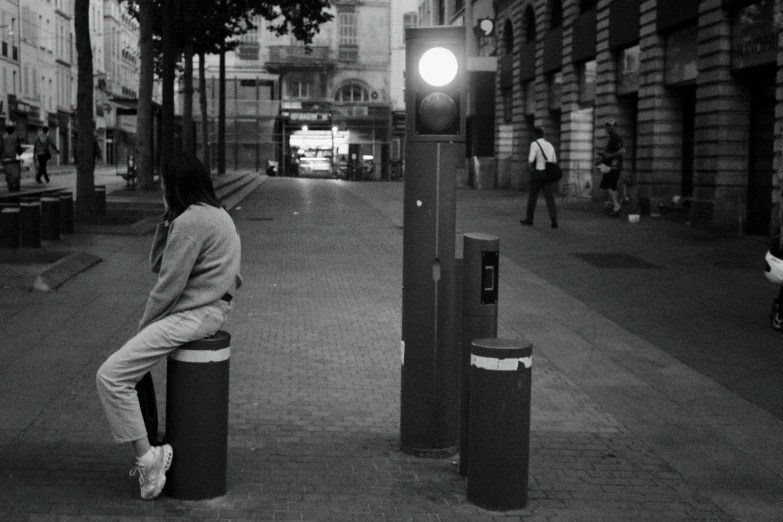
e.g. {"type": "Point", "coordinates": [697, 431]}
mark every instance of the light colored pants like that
{"type": "Point", "coordinates": [118, 376]}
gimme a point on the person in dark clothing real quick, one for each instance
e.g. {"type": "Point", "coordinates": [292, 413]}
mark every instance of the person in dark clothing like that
{"type": "Point", "coordinates": [42, 152]}
{"type": "Point", "coordinates": [10, 147]}
{"type": "Point", "coordinates": [610, 164]}
{"type": "Point", "coordinates": [541, 151]}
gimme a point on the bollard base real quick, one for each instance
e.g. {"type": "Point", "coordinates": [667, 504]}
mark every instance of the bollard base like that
{"type": "Point", "coordinates": [430, 453]}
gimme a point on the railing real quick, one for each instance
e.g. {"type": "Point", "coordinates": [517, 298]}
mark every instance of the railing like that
{"type": "Point", "coordinates": [234, 107]}
{"type": "Point", "coordinates": [295, 54]}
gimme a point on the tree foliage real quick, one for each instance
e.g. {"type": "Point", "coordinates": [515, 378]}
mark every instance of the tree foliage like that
{"type": "Point", "coordinates": [214, 24]}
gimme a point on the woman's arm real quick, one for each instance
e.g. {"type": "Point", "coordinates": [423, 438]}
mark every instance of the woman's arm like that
{"type": "Point", "coordinates": [179, 257]}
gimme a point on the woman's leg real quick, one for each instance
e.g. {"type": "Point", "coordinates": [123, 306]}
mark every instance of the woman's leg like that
{"type": "Point", "coordinates": [117, 377]}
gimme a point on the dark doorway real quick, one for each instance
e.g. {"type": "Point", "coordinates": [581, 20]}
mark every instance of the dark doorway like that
{"type": "Point", "coordinates": [688, 140]}
{"type": "Point", "coordinates": [761, 154]}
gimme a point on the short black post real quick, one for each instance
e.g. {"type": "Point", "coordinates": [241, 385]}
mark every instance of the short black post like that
{"type": "Point", "coordinates": [50, 218]}
{"type": "Point", "coordinates": [66, 212]}
{"type": "Point", "coordinates": [30, 222]}
{"type": "Point", "coordinates": [197, 418]}
{"type": "Point", "coordinates": [499, 441]}
{"type": "Point", "coordinates": [100, 200]}
{"type": "Point", "coordinates": [9, 225]}
{"type": "Point", "coordinates": [479, 316]}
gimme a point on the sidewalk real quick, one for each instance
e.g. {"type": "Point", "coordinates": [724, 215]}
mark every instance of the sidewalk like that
{"type": "Point", "coordinates": [621, 430]}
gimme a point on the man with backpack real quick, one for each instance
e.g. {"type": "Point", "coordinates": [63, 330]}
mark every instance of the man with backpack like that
{"type": "Point", "coordinates": [541, 153]}
{"type": "Point", "coordinates": [42, 153]}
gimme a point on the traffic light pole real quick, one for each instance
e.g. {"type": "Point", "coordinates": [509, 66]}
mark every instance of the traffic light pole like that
{"type": "Point", "coordinates": [434, 152]}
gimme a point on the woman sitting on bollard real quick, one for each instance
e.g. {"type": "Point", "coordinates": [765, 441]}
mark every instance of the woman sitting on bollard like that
{"type": "Point", "coordinates": [196, 253]}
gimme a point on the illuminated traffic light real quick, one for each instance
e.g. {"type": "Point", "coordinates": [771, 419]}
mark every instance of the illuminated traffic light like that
{"type": "Point", "coordinates": [435, 83]}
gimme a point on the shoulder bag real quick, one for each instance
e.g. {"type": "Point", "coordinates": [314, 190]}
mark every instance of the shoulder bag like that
{"type": "Point", "coordinates": [553, 170]}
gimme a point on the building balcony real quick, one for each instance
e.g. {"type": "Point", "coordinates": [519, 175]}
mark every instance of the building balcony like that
{"type": "Point", "coordinates": [284, 58]}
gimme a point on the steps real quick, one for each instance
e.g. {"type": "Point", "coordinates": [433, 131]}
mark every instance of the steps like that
{"type": "Point", "coordinates": [230, 188]}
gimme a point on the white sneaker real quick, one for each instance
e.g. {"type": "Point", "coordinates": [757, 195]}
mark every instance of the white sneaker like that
{"type": "Point", "coordinates": [153, 476]}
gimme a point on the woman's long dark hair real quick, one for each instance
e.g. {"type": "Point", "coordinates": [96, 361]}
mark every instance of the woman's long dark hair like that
{"type": "Point", "coordinates": [186, 182]}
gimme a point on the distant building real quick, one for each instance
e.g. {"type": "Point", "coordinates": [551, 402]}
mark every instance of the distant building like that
{"type": "Point", "coordinates": [333, 101]}
{"type": "Point", "coordinates": [694, 88]}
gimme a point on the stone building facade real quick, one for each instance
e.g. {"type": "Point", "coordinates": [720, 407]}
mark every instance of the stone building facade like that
{"type": "Point", "coordinates": [694, 86]}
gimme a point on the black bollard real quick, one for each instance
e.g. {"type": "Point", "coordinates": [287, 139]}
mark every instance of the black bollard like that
{"type": "Point", "coordinates": [197, 418]}
{"type": "Point", "coordinates": [66, 212]}
{"type": "Point", "coordinates": [479, 317]}
{"type": "Point", "coordinates": [30, 222]}
{"type": "Point", "coordinates": [50, 218]}
{"type": "Point", "coordinates": [499, 440]}
{"type": "Point", "coordinates": [9, 225]}
{"type": "Point", "coordinates": [100, 200]}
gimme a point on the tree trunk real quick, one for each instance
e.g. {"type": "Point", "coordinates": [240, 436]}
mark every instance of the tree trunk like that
{"type": "Point", "coordinates": [202, 86]}
{"type": "Point", "coordinates": [85, 180]}
{"type": "Point", "coordinates": [145, 164]}
{"type": "Point", "coordinates": [169, 56]}
{"type": "Point", "coordinates": [188, 139]}
{"type": "Point", "coordinates": [221, 152]}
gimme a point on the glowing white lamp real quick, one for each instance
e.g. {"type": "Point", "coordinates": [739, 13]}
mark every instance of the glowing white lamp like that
{"type": "Point", "coordinates": [438, 66]}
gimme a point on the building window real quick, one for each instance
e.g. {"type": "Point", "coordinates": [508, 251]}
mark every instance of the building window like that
{"type": "Point", "coordinates": [508, 105]}
{"type": "Point", "coordinates": [508, 37]}
{"type": "Point", "coordinates": [628, 70]}
{"type": "Point", "coordinates": [556, 12]}
{"type": "Point", "coordinates": [587, 82]}
{"type": "Point", "coordinates": [529, 25]}
{"type": "Point", "coordinates": [441, 12]}
{"type": "Point", "coordinates": [298, 89]}
{"type": "Point", "coordinates": [346, 23]}
{"type": "Point", "coordinates": [458, 4]}
{"type": "Point", "coordinates": [352, 93]}
{"type": "Point", "coordinates": [555, 91]}
{"type": "Point", "coordinates": [529, 90]}
{"type": "Point", "coordinates": [587, 5]}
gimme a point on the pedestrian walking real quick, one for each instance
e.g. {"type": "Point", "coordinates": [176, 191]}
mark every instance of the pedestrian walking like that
{"type": "Point", "coordinates": [610, 164]}
{"type": "Point", "coordinates": [42, 152]}
{"type": "Point", "coordinates": [11, 147]}
{"type": "Point", "coordinates": [196, 252]}
{"type": "Point", "coordinates": [541, 151]}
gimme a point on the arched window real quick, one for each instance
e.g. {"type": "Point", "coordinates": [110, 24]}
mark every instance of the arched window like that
{"type": "Point", "coordinates": [351, 93]}
{"type": "Point", "coordinates": [529, 25]}
{"type": "Point", "coordinates": [556, 10]}
{"type": "Point", "coordinates": [508, 37]}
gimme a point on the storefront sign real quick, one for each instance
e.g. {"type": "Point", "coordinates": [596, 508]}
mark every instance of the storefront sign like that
{"type": "Point", "coordinates": [682, 56]}
{"type": "Point", "coordinates": [628, 70]}
{"type": "Point", "coordinates": [754, 39]}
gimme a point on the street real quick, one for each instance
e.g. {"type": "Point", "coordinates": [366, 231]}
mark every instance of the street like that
{"type": "Point", "coordinates": [656, 377]}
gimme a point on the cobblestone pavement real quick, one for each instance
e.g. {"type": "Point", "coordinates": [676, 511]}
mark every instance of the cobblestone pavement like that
{"type": "Point", "coordinates": [315, 384]}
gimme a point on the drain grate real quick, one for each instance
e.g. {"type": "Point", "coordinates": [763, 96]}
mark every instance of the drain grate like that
{"type": "Point", "coordinates": [613, 260]}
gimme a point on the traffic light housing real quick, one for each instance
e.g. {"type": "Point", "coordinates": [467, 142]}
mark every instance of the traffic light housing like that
{"type": "Point", "coordinates": [435, 83]}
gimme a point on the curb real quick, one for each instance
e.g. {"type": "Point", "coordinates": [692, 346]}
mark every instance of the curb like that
{"type": "Point", "coordinates": [64, 269]}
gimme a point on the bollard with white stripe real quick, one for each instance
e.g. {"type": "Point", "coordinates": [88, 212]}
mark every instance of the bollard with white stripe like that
{"type": "Point", "coordinates": [197, 418]}
{"type": "Point", "coordinates": [499, 429]}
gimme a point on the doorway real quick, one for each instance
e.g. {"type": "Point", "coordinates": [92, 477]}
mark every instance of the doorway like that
{"type": "Point", "coordinates": [761, 155]}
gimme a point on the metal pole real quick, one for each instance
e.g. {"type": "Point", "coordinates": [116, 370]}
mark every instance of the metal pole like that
{"type": "Point", "coordinates": [479, 317]}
